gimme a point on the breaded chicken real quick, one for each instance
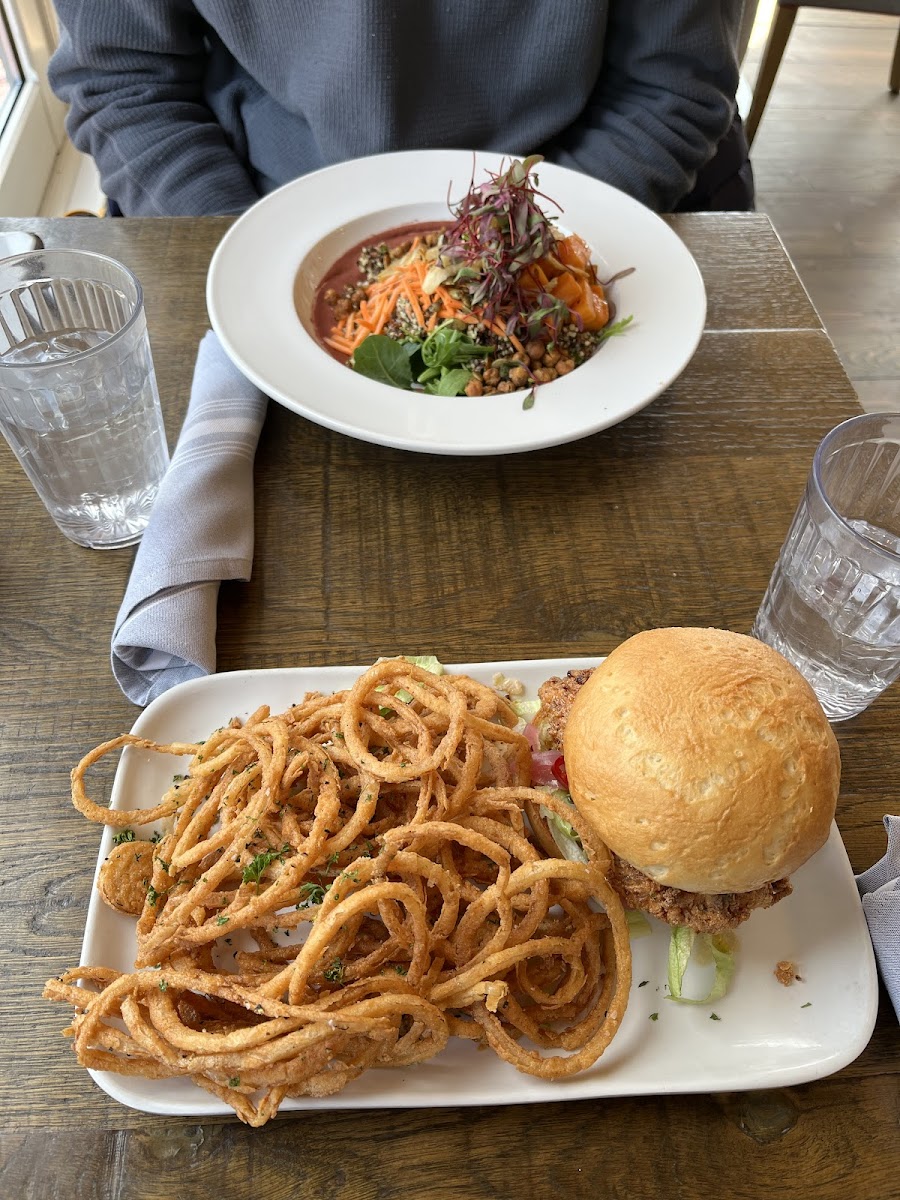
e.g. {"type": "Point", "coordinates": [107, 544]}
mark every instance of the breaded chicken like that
{"type": "Point", "coordinates": [556, 696]}
{"type": "Point", "coordinates": [706, 912]}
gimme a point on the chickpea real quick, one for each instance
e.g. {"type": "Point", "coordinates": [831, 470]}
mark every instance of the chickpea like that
{"type": "Point", "coordinates": [545, 374]}
{"type": "Point", "coordinates": [535, 350]}
{"type": "Point", "coordinates": [551, 357]}
{"type": "Point", "coordinates": [357, 297]}
{"type": "Point", "coordinates": [518, 377]}
{"type": "Point", "coordinates": [342, 307]}
{"type": "Point", "coordinates": [330, 296]}
{"type": "Point", "coordinates": [474, 388]}
{"type": "Point", "coordinates": [564, 366]}
{"type": "Point", "coordinates": [505, 386]}
{"type": "Point", "coordinates": [491, 375]}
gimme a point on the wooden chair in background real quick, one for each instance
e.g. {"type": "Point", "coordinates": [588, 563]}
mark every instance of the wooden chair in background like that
{"type": "Point", "coordinates": [785, 15]}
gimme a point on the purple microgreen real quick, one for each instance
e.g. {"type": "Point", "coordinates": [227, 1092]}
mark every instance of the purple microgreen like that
{"type": "Point", "coordinates": [499, 230]}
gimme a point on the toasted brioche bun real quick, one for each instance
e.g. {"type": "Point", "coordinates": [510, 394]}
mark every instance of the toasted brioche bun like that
{"type": "Point", "coordinates": [703, 758]}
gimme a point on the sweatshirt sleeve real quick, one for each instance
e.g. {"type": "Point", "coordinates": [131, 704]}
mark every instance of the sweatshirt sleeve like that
{"type": "Point", "coordinates": [665, 97]}
{"type": "Point", "coordinates": [132, 73]}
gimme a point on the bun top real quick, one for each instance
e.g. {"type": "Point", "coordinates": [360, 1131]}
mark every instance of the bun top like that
{"type": "Point", "coordinates": [703, 758]}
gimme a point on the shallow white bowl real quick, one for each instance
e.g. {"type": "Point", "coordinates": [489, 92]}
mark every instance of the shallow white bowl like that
{"type": "Point", "coordinates": [292, 236]}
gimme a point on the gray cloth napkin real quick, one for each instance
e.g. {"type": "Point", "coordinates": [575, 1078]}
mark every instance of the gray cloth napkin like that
{"type": "Point", "coordinates": [200, 532]}
{"type": "Point", "coordinates": [880, 891]}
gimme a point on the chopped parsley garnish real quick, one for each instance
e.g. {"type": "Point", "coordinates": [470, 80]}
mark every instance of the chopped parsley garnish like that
{"type": "Point", "coordinates": [334, 972]}
{"type": "Point", "coordinates": [312, 893]}
{"type": "Point", "coordinates": [124, 835]}
{"type": "Point", "coordinates": [252, 873]}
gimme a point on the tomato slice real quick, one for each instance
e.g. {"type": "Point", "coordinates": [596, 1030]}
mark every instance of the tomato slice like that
{"type": "Point", "coordinates": [558, 771]}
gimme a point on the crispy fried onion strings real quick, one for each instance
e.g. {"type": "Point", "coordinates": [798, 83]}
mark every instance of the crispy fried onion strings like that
{"type": "Point", "coordinates": [344, 886]}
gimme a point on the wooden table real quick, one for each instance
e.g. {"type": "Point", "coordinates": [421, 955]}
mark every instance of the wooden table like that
{"type": "Point", "coordinates": [671, 518]}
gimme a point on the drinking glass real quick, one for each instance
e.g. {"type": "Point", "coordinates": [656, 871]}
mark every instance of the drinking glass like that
{"type": "Point", "coordinates": [833, 603]}
{"type": "Point", "coordinates": [78, 398]}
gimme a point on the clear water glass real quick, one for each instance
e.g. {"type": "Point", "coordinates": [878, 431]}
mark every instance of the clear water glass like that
{"type": "Point", "coordinates": [78, 398]}
{"type": "Point", "coordinates": [833, 603]}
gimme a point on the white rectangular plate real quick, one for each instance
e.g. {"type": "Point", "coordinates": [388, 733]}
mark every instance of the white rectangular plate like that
{"type": "Point", "coordinates": [766, 1035]}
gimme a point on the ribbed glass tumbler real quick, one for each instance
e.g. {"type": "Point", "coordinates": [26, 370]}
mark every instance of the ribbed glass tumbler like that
{"type": "Point", "coordinates": [78, 398]}
{"type": "Point", "coordinates": [833, 603]}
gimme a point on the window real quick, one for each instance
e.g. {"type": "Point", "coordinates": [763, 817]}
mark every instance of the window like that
{"type": "Point", "coordinates": [10, 72]}
{"type": "Point", "coordinates": [31, 118]}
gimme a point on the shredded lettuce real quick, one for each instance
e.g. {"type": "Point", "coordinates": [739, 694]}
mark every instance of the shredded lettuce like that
{"type": "Point", "coordinates": [525, 710]}
{"type": "Point", "coordinates": [427, 662]}
{"type": "Point", "coordinates": [681, 944]}
{"type": "Point", "coordinates": [563, 833]}
{"type": "Point", "coordinates": [638, 925]}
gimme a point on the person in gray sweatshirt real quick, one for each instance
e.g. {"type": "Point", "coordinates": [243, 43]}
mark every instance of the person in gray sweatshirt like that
{"type": "Point", "coordinates": [193, 107]}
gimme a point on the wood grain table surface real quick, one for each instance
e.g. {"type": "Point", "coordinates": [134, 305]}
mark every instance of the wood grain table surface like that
{"type": "Point", "coordinates": [673, 517]}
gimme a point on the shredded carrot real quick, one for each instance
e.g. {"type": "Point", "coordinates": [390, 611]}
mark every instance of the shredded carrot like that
{"type": "Point", "coordinates": [374, 313]}
{"type": "Point", "coordinates": [500, 328]}
{"type": "Point", "coordinates": [446, 297]}
{"type": "Point", "coordinates": [414, 304]}
{"type": "Point", "coordinates": [339, 343]}
{"type": "Point", "coordinates": [387, 311]}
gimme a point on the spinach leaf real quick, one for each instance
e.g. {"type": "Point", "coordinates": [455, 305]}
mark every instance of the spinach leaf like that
{"type": "Point", "coordinates": [450, 383]}
{"type": "Point", "coordinates": [447, 347]}
{"type": "Point", "coordinates": [382, 358]}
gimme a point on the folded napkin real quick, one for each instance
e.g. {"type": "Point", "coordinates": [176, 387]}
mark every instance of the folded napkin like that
{"type": "Point", "coordinates": [880, 891]}
{"type": "Point", "coordinates": [200, 532]}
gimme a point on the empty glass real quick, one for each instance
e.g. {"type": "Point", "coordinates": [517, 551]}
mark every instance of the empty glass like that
{"type": "Point", "coordinates": [833, 603]}
{"type": "Point", "coordinates": [78, 398]}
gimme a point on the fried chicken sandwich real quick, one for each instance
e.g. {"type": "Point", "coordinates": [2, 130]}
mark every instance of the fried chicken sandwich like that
{"type": "Point", "coordinates": [703, 760]}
